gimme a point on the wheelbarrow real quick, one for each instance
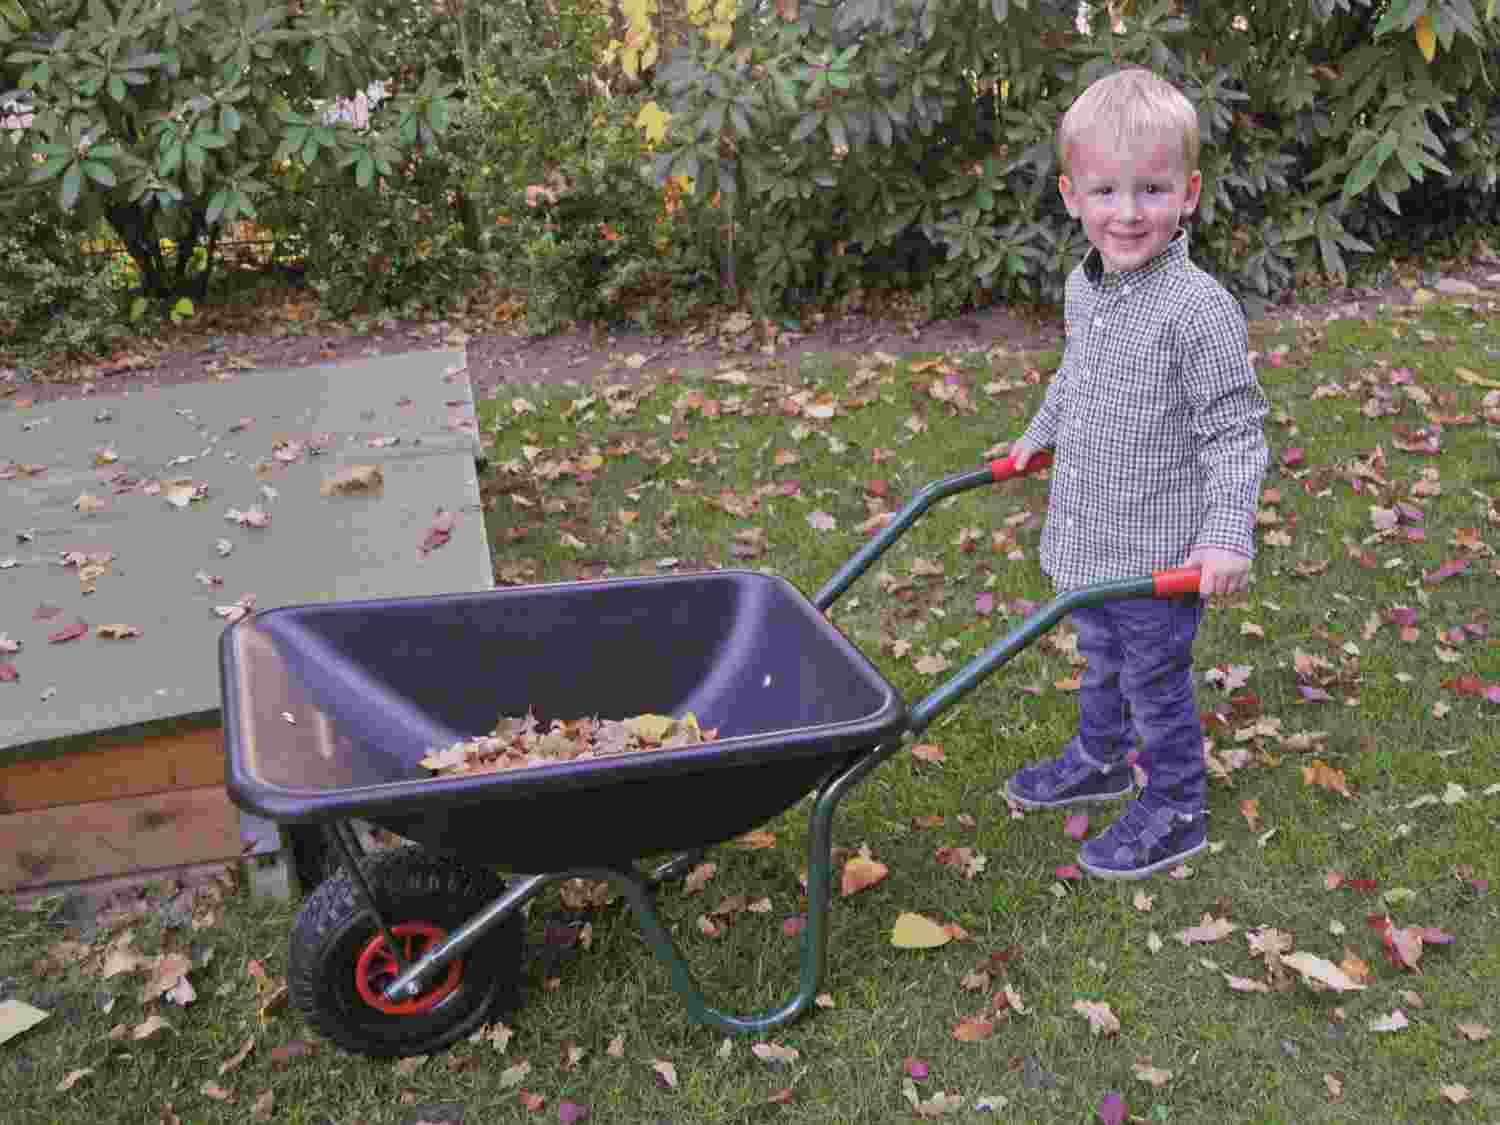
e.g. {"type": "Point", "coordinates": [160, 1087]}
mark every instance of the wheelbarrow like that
{"type": "Point", "coordinates": [329, 709]}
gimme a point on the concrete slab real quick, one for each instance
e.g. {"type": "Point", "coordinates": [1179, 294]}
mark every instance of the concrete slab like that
{"type": "Point", "coordinates": [225, 437]}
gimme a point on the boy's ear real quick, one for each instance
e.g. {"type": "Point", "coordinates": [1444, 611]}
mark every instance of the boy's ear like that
{"type": "Point", "coordinates": [1194, 189]}
{"type": "Point", "coordinates": [1065, 186]}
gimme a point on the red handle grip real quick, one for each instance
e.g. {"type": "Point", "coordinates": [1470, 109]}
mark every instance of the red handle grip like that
{"type": "Point", "coordinates": [1175, 583]}
{"type": "Point", "coordinates": [1005, 468]}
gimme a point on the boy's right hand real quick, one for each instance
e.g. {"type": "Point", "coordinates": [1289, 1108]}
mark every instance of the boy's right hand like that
{"type": "Point", "coordinates": [1021, 451]}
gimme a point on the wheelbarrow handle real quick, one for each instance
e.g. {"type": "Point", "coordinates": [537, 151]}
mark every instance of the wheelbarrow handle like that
{"type": "Point", "coordinates": [1002, 469]}
{"type": "Point", "coordinates": [1005, 468]}
{"type": "Point", "coordinates": [1162, 584]}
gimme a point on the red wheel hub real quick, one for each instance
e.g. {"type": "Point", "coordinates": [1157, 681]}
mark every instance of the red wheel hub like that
{"type": "Point", "coordinates": [376, 968]}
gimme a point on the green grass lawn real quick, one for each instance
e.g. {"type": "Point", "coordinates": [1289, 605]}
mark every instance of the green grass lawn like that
{"type": "Point", "coordinates": [1359, 659]}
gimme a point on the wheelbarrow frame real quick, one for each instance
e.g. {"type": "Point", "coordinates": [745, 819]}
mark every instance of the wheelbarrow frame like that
{"type": "Point", "coordinates": [639, 887]}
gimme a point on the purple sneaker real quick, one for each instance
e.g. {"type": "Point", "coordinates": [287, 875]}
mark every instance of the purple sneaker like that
{"type": "Point", "coordinates": [1150, 836]}
{"type": "Point", "coordinates": [1072, 778]}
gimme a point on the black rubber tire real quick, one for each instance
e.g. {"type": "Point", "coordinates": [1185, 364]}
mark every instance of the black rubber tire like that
{"type": "Point", "coordinates": [409, 885]}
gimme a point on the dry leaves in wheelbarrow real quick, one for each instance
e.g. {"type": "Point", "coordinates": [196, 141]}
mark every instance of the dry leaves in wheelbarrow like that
{"type": "Point", "coordinates": [516, 743]}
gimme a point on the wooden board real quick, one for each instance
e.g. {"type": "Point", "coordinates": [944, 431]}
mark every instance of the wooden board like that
{"type": "Point", "coordinates": [97, 839]}
{"type": "Point", "coordinates": [188, 760]}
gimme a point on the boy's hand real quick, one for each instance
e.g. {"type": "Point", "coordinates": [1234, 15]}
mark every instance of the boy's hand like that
{"type": "Point", "coordinates": [1223, 572]}
{"type": "Point", "coordinates": [1021, 451]}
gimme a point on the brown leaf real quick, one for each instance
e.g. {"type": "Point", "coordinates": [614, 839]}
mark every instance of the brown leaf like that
{"type": "Point", "coordinates": [1335, 1087]}
{"type": "Point", "coordinates": [264, 1106]}
{"type": "Point", "coordinates": [972, 1029]}
{"type": "Point", "coordinates": [698, 878]}
{"type": "Point", "coordinates": [1320, 773]}
{"type": "Point", "coordinates": [1250, 810]}
{"type": "Point", "coordinates": [293, 1049]}
{"type": "Point", "coordinates": [1102, 1020]}
{"type": "Point", "coordinates": [117, 632]}
{"type": "Point", "coordinates": [353, 479]}
{"type": "Point", "coordinates": [149, 1028]}
{"type": "Point", "coordinates": [781, 1097]}
{"type": "Point", "coordinates": [666, 1073]}
{"type": "Point", "coordinates": [929, 752]}
{"type": "Point", "coordinates": [860, 873]}
{"type": "Point", "coordinates": [756, 840]}
{"type": "Point", "coordinates": [216, 1092]}
{"type": "Point", "coordinates": [1474, 1032]}
{"type": "Point", "coordinates": [1454, 1093]}
{"type": "Point", "coordinates": [72, 1078]}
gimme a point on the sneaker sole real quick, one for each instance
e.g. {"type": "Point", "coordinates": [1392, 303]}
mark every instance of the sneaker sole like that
{"type": "Point", "coordinates": [1091, 799]}
{"type": "Point", "coordinates": [1141, 872]}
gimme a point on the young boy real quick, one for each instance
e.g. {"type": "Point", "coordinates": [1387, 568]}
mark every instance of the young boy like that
{"type": "Point", "coordinates": [1155, 418]}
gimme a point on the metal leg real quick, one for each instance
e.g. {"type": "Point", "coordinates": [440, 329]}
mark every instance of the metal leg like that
{"type": "Point", "coordinates": [675, 868]}
{"type": "Point", "coordinates": [345, 845]}
{"type": "Point", "coordinates": [638, 891]}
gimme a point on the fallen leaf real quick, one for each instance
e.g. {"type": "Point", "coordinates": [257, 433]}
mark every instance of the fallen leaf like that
{"type": "Point", "coordinates": [666, 1073]}
{"type": "Point", "coordinates": [1111, 1110]}
{"type": "Point", "coordinates": [1321, 774]}
{"type": "Point", "coordinates": [1102, 1021]}
{"type": "Point", "coordinates": [288, 1052]}
{"type": "Point", "coordinates": [1474, 1032]}
{"type": "Point", "coordinates": [1246, 984]}
{"type": "Point", "coordinates": [1396, 1021]}
{"type": "Point", "coordinates": [216, 1092]}
{"type": "Point", "coordinates": [1320, 973]}
{"type": "Point", "coordinates": [929, 752]}
{"type": "Point", "coordinates": [353, 479]}
{"type": "Point", "coordinates": [570, 1113]}
{"type": "Point", "coordinates": [1209, 929]}
{"type": "Point", "coordinates": [860, 873]}
{"type": "Point", "coordinates": [1076, 826]}
{"type": "Point", "coordinates": [821, 521]}
{"type": "Point", "coordinates": [1335, 1087]}
{"type": "Point", "coordinates": [1153, 1076]}
{"type": "Point", "coordinates": [1250, 810]}
{"type": "Point", "coordinates": [72, 1078]}
{"type": "Point", "coordinates": [234, 1060]}
{"type": "Point", "coordinates": [1143, 902]}
{"type": "Point", "coordinates": [972, 1029]}
{"type": "Point", "coordinates": [440, 531]}
{"type": "Point", "coordinates": [698, 878]}
{"type": "Point", "coordinates": [264, 1106]}
{"type": "Point", "coordinates": [149, 1027]}
{"type": "Point", "coordinates": [1454, 1093]}
{"type": "Point", "coordinates": [69, 633]}
{"type": "Point", "coordinates": [530, 1102]}
{"type": "Point", "coordinates": [914, 931]}
{"type": "Point", "coordinates": [775, 1053]}
{"type": "Point", "coordinates": [117, 632]}
{"type": "Point", "coordinates": [515, 1074]}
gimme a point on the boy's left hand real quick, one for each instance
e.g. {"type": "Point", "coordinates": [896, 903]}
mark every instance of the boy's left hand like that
{"type": "Point", "coordinates": [1223, 572]}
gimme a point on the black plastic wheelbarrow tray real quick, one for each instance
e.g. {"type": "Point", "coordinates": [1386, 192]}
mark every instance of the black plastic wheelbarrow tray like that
{"type": "Point", "coordinates": [328, 710]}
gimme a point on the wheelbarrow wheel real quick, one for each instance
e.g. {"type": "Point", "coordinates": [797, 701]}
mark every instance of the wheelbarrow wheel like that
{"type": "Point", "coordinates": [340, 962]}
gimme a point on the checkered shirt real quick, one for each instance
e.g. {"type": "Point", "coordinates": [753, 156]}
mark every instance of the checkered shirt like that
{"type": "Point", "coordinates": [1155, 417]}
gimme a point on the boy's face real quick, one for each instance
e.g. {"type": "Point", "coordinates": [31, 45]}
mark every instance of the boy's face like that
{"type": "Point", "coordinates": [1129, 202]}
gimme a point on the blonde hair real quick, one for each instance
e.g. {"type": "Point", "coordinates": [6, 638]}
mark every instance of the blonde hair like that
{"type": "Point", "coordinates": [1131, 105]}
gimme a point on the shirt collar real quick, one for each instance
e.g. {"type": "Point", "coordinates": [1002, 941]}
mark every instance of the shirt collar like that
{"type": "Point", "coordinates": [1176, 253]}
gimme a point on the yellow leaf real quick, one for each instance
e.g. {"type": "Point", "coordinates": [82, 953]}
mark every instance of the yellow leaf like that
{"type": "Point", "coordinates": [654, 120]}
{"type": "Point", "coordinates": [1426, 37]}
{"type": "Point", "coordinates": [913, 931]}
{"type": "Point", "coordinates": [1477, 380]}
